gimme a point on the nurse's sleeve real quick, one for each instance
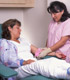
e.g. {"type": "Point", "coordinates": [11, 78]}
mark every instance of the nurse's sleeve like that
{"type": "Point", "coordinates": [66, 29]}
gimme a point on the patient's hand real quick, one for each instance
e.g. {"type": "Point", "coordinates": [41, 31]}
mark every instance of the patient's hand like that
{"type": "Point", "coordinates": [60, 55]}
{"type": "Point", "coordinates": [28, 62]}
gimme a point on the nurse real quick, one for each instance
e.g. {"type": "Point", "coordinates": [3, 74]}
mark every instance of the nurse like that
{"type": "Point", "coordinates": [58, 31]}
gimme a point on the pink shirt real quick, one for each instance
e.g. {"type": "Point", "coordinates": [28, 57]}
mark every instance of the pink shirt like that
{"type": "Point", "coordinates": [55, 32]}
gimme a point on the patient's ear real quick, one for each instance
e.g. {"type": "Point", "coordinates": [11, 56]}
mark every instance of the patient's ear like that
{"type": "Point", "coordinates": [9, 28]}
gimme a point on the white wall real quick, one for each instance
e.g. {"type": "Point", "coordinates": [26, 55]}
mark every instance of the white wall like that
{"type": "Point", "coordinates": [34, 21]}
{"type": "Point", "coordinates": [7, 13]}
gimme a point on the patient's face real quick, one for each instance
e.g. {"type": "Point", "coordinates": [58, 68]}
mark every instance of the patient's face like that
{"type": "Point", "coordinates": [15, 31]}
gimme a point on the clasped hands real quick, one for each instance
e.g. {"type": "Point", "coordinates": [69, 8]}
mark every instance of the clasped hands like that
{"type": "Point", "coordinates": [46, 51]}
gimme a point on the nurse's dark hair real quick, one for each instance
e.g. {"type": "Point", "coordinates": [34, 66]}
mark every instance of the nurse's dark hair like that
{"type": "Point", "coordinates": [9, 23]}
{"type": "Point", "coordinates": [56, 7]}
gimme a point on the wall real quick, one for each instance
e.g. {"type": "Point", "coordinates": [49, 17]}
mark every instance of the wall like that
{"type": "Point", "coordinates": [7, 13]}
{"type": "Point", "coordinates": [34, 21]}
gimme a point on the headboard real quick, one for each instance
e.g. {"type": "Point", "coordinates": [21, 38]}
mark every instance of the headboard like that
{"type": "Point", "coordinates": [0, 30]}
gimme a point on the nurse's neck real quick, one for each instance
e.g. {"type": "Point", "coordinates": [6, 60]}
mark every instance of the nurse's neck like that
{"type": "Point", "coordinates": [58, 22]}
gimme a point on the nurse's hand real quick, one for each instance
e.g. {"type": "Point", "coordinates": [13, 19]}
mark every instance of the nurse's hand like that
{"type": "Point", "coordinates": [60, 55]}
{"type": "Point", "coordinates": [28, 62]}
{"type": "Point", "coordinates": [44, 52]}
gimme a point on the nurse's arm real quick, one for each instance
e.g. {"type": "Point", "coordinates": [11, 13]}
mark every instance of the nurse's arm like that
{"type": "Point", "coordinates": [60, 43]}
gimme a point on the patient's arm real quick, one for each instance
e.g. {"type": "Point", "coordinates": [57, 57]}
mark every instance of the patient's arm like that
{"type": "Point", "coordinates": [33, 49]}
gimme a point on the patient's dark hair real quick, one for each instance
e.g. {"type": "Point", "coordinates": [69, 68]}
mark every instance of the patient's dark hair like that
{"type": "Point", "coordinates": [56, 7]}
{"type": "Point", "coordinates": [9, 23]}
